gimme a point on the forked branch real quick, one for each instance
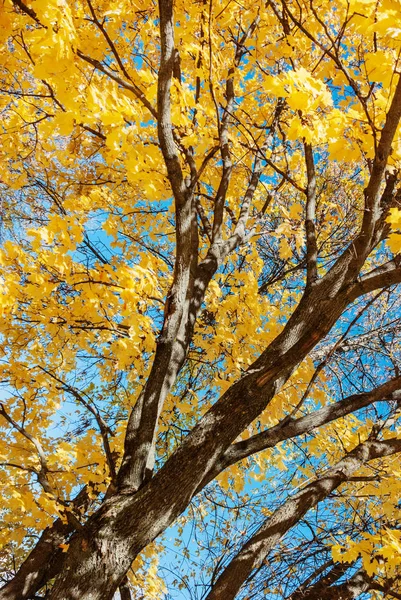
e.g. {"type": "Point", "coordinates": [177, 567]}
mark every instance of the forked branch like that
{"type": "Point", "coordinates": [274, 528]}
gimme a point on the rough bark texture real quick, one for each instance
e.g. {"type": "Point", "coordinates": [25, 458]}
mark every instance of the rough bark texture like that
{"type": "Point", "coordinates": [254, 551]}
{"type": "Point", "coordinates": [291, 428]}
{"type": "Point", "coordinates": [124, 589]}
{"type": "Point", "coordinates": [127, 522]}
{"type": "Point", "coordinates": [310, 590]}
{"type": "Point", "coordinates": [352, 588]}
{"type": "Point", "coordinates": [43, 563]}
{"type": "Point", "coordinates": [144, 504]}
{"type": "Point", "coordinates": [46, 559]}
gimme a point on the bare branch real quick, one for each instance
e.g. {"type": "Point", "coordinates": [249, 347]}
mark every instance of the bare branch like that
{"type": "Point", "coordinates": [288, 429]}
{"type": "Point", "coordinates": [272, 530]}
{"type": "Point", "coordinates": [310, 217]}
{"type": "Point", "coordinates": [381, 277]}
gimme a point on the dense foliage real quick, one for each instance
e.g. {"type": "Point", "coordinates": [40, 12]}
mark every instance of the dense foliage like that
{"type": "Point", "coordinates": [200, 221]}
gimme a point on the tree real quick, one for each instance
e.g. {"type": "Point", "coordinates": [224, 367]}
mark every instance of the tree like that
{"type": "Point", "coordinates": [200, 260]}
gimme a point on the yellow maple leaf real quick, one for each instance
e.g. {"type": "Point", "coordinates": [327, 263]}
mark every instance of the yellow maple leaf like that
{"type": "Point", "coordinates": [394, 218]}
{"type": "Point", "coordinates": [394, 242]}
{"type": "Point", "coordinates": [285, 250]}
{"type": "Point", "coordinates": [296, 211]}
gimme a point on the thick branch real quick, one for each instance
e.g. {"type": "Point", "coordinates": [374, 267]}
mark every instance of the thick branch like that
{"type": "Point", "coordinates": [386, 589]}
{"type": "Point", "coordinates": [46, 558]}
{"type": "Point", "coordinates": [27, 10]}
{"type": "Point", "coordinates": [347, 268]}
{"type": "Point", "coordinates": [372, 212]}
{"type": "Point", "coordinates": [274, 528]}
{"type": "Point", "coordinates": [165, 127]}
{"type": "Point", "coordinates": [288, 429]}
{"type": "Point", "coordinates": [124, 589]}
{"type": "Point", "coordinates": [350, 589]}
{"type": "Point", "coordinates": [122, 519]}
{"type": "Point", "coordinates": [310, 590]}
{"type": "Point", "coordinates": [172, 345]}
{"type": "Point", "coordinates": [43, 563]}
{"type": "Point", "coordinates": [190, 279]}
{"type": "Point", "coordinates": [381, 277]}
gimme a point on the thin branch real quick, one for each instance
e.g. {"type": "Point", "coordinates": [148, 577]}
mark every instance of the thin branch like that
{"type": "Point", "coordinates": [132, 87]}
{"type": "Point", "coordinates": [44, 469]}
{"type": "Point", "coordinates": [284, 175]}
{"type": "Point", "coordinates": [224, 137]}
{"type": "Point", "coordinates": [332, 351]}
{"type": "Point", "coordinates": [103, 427]}
{"type": "Point", "coordinates": [310, 217]}
{"type": "Point", "coordinates": [108, 39]}
{"type": "Point", "coordinates": [98, 134]}
{"type": "Point", "coordinates": [27, 10]}
{"type": "Point", "coordinates": [291, 512]}
{"type": "Point", "coordinates": [292, 428]}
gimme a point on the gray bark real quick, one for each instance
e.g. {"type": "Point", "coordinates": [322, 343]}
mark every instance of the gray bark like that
{"type": "Point", "coordinates": [273, 529]}
{"type": "Point", "coordinates": [41, 565]}
{"type": "Point", "coordinates": [144, 504]}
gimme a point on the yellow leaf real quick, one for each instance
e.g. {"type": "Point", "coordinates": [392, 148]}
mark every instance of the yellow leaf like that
{"type": "Point", "coordinates": [285, 250]}
{"type": "Point", "coordinates": [394, 218]}
{"type": "Point", "coordinates": [394, 242]}
{"type": "Point", "coordinates": [296, 211]}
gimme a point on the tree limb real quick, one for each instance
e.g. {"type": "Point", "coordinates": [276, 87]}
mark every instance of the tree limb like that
{"type": "Point", "coordinates": [310, 217]}
{"type": "Point", "coordinates": [288, 429]}
{"type": "Point", "coordinates": [283, 519]}
{"type": "Point", "coordinates": [132, 87]}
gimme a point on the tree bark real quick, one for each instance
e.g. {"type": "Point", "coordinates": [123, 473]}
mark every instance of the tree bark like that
{"type": "Point", "coordinates": [353, 588]}
{"type": "Point", "coordinates": [102, 551]}
{"type": "Point", "coordinates": [44, 562]}
{"type": "Point", "coordinates": [273, 529]}
{"type": "Point", "coordinates": [126, 523]}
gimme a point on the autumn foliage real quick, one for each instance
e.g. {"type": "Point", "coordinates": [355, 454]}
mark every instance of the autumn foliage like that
{"type": "Point", "coordinates": [200, 227]}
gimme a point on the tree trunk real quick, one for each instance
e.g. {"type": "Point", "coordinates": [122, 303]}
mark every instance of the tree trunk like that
{"type": "Point", "coordinates": [43, 563]}
{"type": "Point", "coordinates": [101, 554]}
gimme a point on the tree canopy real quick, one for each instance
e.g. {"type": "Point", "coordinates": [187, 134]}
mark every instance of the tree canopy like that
{"type": "Point", "coordinates": [200, 221]}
